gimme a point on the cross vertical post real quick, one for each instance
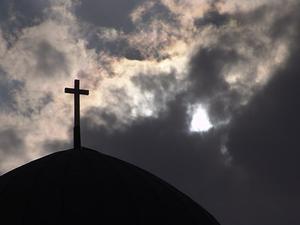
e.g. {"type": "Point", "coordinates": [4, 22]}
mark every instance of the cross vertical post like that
{"type": "Point", "coordinates": [77, 92]}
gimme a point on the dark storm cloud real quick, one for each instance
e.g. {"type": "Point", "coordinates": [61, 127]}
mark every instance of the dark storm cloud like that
{"type": "Point", "coordinates": [107, 13]}
{"type": "Point", "coordinates": [264, 141]}
{"type": "Point", "coordinates": [133, 54]}
{"type": "Point", "coordinates": [50, 60]}
{"type": "Point", "coordinates": [17, 14]}
{"type": "Point", "coordinates": [8, 90]}
{"type": "Point", "coordinates": [208, 83]}
{"type": "Point", "coordinates": [264, 137]}
{"type": "Point", "coordinates": [264, 134]}
{"type": "Point", "coordinates": [158, 12]}
{"type": "Point", "coordinates": [206, 70]}
{"type": "Point", "coordinates": [213, 17]}
{"type": "Point", "coordinates": [115, 47]}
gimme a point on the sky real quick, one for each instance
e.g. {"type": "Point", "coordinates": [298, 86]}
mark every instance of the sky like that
{"type": "Point", "coordinates": [202, 93]}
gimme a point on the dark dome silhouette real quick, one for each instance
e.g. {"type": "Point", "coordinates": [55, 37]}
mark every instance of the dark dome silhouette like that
{"type": "Point", "coordinates": [87, 187]}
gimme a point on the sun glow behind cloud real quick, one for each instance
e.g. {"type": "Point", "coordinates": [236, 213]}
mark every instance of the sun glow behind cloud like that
{"type": "Point", "coordinates": [200, 120]}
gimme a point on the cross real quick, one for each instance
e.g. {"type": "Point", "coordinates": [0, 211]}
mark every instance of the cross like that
{"type": "Point", "coordinates": [77, 92]}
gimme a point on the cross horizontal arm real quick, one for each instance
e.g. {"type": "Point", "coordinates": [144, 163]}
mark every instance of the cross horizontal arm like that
{"type": "Point", "coordinates": [74, 91]}
{"type": "Point", "coordinates": [69, 90]}
{"type": "Point", "coordinates": [84, 92]}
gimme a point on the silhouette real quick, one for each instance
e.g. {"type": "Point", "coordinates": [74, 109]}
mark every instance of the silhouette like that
{"type": "Point", "coordinates": [77, 92]}
{"type": "Point", "coordinates": [87, 187]}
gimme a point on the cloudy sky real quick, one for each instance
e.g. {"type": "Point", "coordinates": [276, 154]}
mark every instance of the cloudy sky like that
{"type": "Point", "coordinates": [202, 93]}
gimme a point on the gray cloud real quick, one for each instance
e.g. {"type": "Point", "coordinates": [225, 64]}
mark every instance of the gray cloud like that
{"type": "Point", "coordinates": [264, 135]}
{"type": "Point", "coordinates": [206, 70]}
{"type": "Point", "coordinates": [118, 47]}
{"type": "Point", "coordinates": [56, 145]}
{"type": "Point", "coordinates": [39, 105]}
{"type": "Point", "coordinates": [159, 85]}
{"type": "Point", "coordinates": [50, 60]}
{"type": "Point", "coordinates": [286, 24]}
{"type": "Point", "coordinates": [107, 13]}
{"type": "Point", "coordinates": [10, 141]}
{"type": "Point", "coordinates": [8, 90]}
{"type": "Point", "coordinates": [263, 139]}
{"type": "Point", "coordinates": [209, 84]}
{"type": "Point", "coordinates": [16, 15]}
{"type": "Point", "coordinates": [113, 33]}
{"type": "Point", "coordinates": [213, 17]}
{"type": "Point", "coordinates": [12, 147]}
{"type": "Point", "coordinates": [157, 11]}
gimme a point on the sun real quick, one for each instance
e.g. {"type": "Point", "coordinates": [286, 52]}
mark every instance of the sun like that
{"type": "Point", "coordinates": [200, 120]}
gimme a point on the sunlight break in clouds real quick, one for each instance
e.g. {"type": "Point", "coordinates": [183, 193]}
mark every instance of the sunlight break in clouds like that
{"type": "Point", "coordinates": [200, 121]}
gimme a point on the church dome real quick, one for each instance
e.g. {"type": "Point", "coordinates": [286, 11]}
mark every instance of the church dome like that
{"type": "Point", "coordinates": [87, 187]}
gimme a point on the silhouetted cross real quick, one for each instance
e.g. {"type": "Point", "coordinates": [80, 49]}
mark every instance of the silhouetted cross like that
{"type": "Point", "coordinates": [77, 92]}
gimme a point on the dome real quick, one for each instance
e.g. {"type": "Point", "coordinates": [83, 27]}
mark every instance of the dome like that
{"type": "Point", "coordinates": [87, 187]}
